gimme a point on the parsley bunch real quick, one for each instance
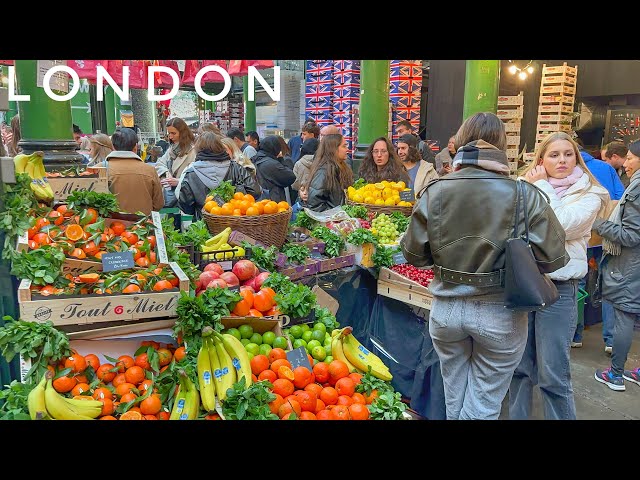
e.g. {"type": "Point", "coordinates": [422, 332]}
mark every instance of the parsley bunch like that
{"type": "Point", "coordinates": [249, 403]}
{"type": "Point", "coordinates": [15, 218]}
{"type": "Point", "coordinates": [104, 203]}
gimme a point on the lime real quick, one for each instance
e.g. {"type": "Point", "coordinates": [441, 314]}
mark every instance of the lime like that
{"type": "Point", "coordinates": [319, 353]}
{"type": "Point", "coordinates": [299, 343]}
{"type": "Point", "coordinates": [245, 341]}
{"type": "Point", "coordinates": [317, 335]}
{"type": "Point", "coordinates": [250, 355]}
{"type": "Point", "coordinates": [265, 349]}
{"type": "Point", "coordinates": [256, 338]}
{"type": "Point", "coordinates": [268, 338]}
{"type": "Point", "coordinates": [252, 348]}
{"type": "Point", "coordinates": [296, 331]}
{"type": "Point", "coordinates": [320, 326]}
{"type": "Point", "coordinates": [328, 359]}
{"type": "Point", "coordinates": [245, 331]}
{"type": "Point", "coordinates": [312, 344]}
{"type": "Point", "coordinates": [305, 327]}
{"type": "Point", "coordinates": [327, 348]}
{"type": "Point", "coordinates": [235, 332]}
{"type": "Point", "coordinates": [280, 342]}
{"type": "Point", "coordinates": [306, 336]}
{"type": "Point", "coordinates": [327, 340]}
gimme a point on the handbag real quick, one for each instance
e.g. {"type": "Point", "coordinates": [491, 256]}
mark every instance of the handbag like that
{"type": "Point", "coordinates": [526, 289]}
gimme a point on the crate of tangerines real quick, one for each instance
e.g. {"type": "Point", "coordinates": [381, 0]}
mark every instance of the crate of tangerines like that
{"type": "Point", "coordinates": [265, 220]}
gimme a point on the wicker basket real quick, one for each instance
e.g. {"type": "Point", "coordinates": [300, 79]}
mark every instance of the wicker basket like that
{"type": "Point", "coordinates": [270, 229]}
{"type": "Point", "coordinates": [406, 211]}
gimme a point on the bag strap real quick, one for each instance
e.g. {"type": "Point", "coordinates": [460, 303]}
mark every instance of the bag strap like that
{"type": "Point", "coordinates": [526, 214]}
{"type": "Point", "coordinates": [517, 218]}
{"type": "Point", "coordinates": [520, 192]}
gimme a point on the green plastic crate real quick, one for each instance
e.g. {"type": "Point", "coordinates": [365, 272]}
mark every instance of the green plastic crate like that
{"type": "Point", "coordinates": [582, 296]}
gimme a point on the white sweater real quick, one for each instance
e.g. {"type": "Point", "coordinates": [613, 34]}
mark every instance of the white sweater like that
{"type": "Point", "coordinates": [576, 211]}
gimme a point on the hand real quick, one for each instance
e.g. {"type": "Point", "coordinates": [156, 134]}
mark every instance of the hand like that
{"type": "Point", "coordinates": [169, 182]}
{"type": "Point", "coordinates": [538, 173]}
{"type": "Point", "coordinates": [447, 168]}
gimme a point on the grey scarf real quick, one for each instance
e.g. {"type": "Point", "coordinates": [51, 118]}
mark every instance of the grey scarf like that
{"type": "Point", "coordinates": [608, 246]}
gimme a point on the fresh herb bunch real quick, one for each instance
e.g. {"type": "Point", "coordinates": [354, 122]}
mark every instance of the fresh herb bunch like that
{"type": "Point", "coordinates": [15, 218]}
{"type": "Point", "coordinates": [369, 383]}
{"type": "Point", "coordinates": [225, 190]}
{"type": "Point", "coordinates": [104, 203]}
{"type": "Point", "coordinates": [13, 401]}
{"type": "Point", "coordinates": [264, 258]}
{"type": "Point", "coordinates": [296, 301]}
{"type": "Point", "coordinates": [360, 236]}
{"type": "Point", "coordinates": [194, 313]}
{"type": "Point", "coordinates": [383, 257]}
{"type": "Point", "coordinates": [361, 182]}
{"type": "Point", "coordinates": [401, 222]}
{"type": "Point", "coordinates": [279, 282]}
{"type": "Point", "coordinates": [323, 315]}
{"type": "Point", "coordinates": [356, 211]}
{"type": "Point", "coordinates": [333, 243]}
{"type": "Point", "coordinates": [388, 406]}
{"type": "Point", "coordinates": [249, 403]}
{"type": "Point", "coordinates": [197, 234]}
{"type": "Point", "coordinates": [184, 262]}
{"type": "Point", "coordinates": [42, 266]}
{"type": "Point", "coordinates": [39, 342]}
{"type": "Point", "coordinates": [304, 221]}
{"type": "Point", "coordinates": [171, 235]}
{"type": "Point", "coordinates": [296, 253]}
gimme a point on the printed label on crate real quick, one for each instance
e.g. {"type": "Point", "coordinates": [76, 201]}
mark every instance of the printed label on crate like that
{"type": "Point", "coordinates": [117, 261]}
{"type": "Point", "coordinates": [510, 100]}
{"type": "Point", "coordinates": [408, 195]}
{"type": "Point", "coordinates": [298, 357]}
{"type": "Point", "coordinates": [25, 366]}
{"type": "Point", "coordinates": [63, 186]}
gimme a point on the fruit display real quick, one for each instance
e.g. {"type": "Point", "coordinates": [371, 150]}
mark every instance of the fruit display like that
{"type": "Point", "coordinates": [33, 166]}
{"type": "Point", "coordinates": [244, 205]}
{"type": "Point", "coordinates": [347, 348]}
{"type": "Point", "coordinates": [384, 229]}
{"type": "Point", "coordinates": [219, 243]}
{"type": "Point", "coordinates": [423, 277]}
{"type": "Point", "coordinates": [383, 193]}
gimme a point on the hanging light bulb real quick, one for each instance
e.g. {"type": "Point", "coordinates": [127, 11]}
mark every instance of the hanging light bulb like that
{"type": "Point", "coordinates": [530, 70]}
{"type": "Point", "coordinates": [513, 69]}
{"type": "Point", "coordinates": [522, 75]}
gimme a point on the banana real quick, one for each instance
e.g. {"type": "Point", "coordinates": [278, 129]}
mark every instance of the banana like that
{"type": "Point", "coordinates": [215, 364]}
{"type": "Point", "coordinates": [220, 238]}
{"type": "Point", "coordinates": [191, 398]}
{"type": "Point", "coordinates": [238, 355]}
{"type": "Point", "coordinates": [228, 371]}
{"type": "Point", "coordinates": [337, 353]}
{"type": "Point", "coordinates": [90, 408]}
{"type": "Point", "coordinates": [36, 401]}
{"type": "Point", "coordinates": [20, 162]}
{"type": "Point", "coordinates": [178, 404]}
{"type": "Point", "coordinates": [363, 358]}
{"type": "Point", "coordinates": [205, 377]}
{"type": "Point", "coordinates": [58, 407]}
{"type": "Point", "coordinates": [372, 358]}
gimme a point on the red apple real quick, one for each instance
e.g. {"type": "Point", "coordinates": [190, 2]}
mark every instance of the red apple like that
{"type": "Point", "coordinates": [230, 278]}
{"type": "Point", "coordinates": [244, 269]}
{"type": "Point", "coordinates": [259, 280]}
{"type": "Point", "coordinates": [217, 283]}
{"type": "Point", "coordinates": [214, 267]}
{"type": "Point", "coordinates": [206, 277]}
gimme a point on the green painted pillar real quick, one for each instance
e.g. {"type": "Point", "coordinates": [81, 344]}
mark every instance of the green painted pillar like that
{"type": "Point", "coordinates": [249, 108]}
{"type": "Point", "coordinates": [110, 108]}
{"type": "Point", "coordinates": [13, 106]}
{"type": "Point", "coordinates": [481, 82]}
{"type": "Point", "coordinates": [81, 108]}
{"type": "Point", "coordinates": [45, 124]}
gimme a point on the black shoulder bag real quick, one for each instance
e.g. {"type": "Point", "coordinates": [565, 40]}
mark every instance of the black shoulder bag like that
{"type": "Point", "coordinates": [526, 289]}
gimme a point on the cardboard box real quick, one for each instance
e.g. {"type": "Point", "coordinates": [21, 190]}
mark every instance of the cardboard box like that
{"type": "Point", "coordinates": [342, 261]}
{"type": "Point", "coordinates": [566, 69]}
{"type": "Point", "coordinates": [512, 126]}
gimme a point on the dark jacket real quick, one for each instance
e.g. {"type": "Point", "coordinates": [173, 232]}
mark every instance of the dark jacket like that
{"type": "Point", "coordinates": [462, 222]}
{"type": "Point", "coordinates": [294, 145]}
{"type": "Point", "coordinates": [321, 199]}
{"type": "Point", "coordinates": [426, 153]}
{"type": "Point", "coordinates": [203, 175]}
{"type": "Point", "coordinates": [621, 273]}
{"type": "Point", "coordinates": [273, 175]}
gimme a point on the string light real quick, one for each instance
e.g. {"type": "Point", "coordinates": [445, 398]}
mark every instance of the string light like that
{"type": "Point", "coordinates": [522, 72]}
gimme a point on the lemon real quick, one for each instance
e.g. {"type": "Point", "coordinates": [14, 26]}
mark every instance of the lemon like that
{"type": "Point", "coordinates": [377, 194]}
{"type": "Point", "coordinates": [379, 186]}
{"type": "Point", "coordinates": [390, 202]}
{"type": "Point", "coordinates": [369, 199]}
{"type": "Point", "coordinates": [402, 185]}
{"type": "Point", "coordinates": [386, 183]}
{"type": "Point", "coordinates": [351, 190]}
{"type": "Point", "coordinates": [358, 198]}
{"type": "Point", "coordinates": [387, 193]}
{"type": "Point", "coordinates": [379, 201]}
{"type": "Point", "coordinates": [396, 199]}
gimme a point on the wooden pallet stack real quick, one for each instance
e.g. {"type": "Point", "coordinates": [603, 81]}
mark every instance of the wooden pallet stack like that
{"type": "Point", "coordinates": [557, 97]}
{"type": "Point", "coordinates": [511, 111]}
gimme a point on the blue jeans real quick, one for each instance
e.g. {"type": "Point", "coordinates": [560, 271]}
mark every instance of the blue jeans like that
{"type": "Point", "coordinates": [479, 343]}
{"type": "Point", "coordinates": [546, 360]}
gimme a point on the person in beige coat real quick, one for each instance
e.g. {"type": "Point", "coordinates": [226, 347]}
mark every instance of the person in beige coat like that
{"type": "Point", "coordinates": [420, 172]}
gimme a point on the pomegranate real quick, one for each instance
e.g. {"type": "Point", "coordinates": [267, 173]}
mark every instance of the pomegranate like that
{"type": "Point", "coordinates": [250, 283]}
{"type": "Point", "coordinates": [217, 283]}
{"type": "Point", "coordinates": [244, 269]}
{"type": "Point", "coordinates": [206, 277]}
{"type": "Point", "coordinates": [214, 267]}
{"type": "Point", "coordinates": [230, 278]}
{"type": "Point", "coordinates": [259, 280]}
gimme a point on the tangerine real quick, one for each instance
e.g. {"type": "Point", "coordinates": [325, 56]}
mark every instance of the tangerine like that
{"type": "Point", "coordinates": [274, 405]}
{"type": "Point", "coordinates": [313, 387]}
{"type": "Point", "coordinates": [124, 363]}
{"type": "Point", "coordinates": [268, 374]}
{"type": "Point", "coordinates": [323, 415]}
{"type": "Point", "coordinates": [132, 415]}
{"type": "Point", "coordinates": [151, 405]}
{"type": "Point", "coordinates": [302, 377]}
{"type": "Point", "coordinates": [142, 361]}
{"type": "Point", "coordinates": [283, 204]}
{"type": "Point", "coordinates": [371, 397]}
{"type": "Point", "coordinates": [107, 406]}
{"type": "Point", "coordinates": [288, 407]}
{"type": "Point", "coordinates": [337, 370]}
{"type": "Point", "coordinates": [270, 207]}
{"type": "Point", "coordinates": [259, 363]}
{"type": "Point", "coordinates": [102, 393]}
{"type": "Point", "coordinates": [79, 389]}
{"type": "Point", "coordinates": [344, 400]}
{"type": "Point", "coordinates": [124, 388]}
{"type": "Point", "coordinates": [356, 377]}
{"type": "Point", "coordinates": [66, 384]}
{"type": "Point", "coordinates": [128, 397]}
{"type": "Point", "coordinates": [286, 372]}
{"type": "Point", "coordinates": [76, 363]}
{"type": "Point", "coordinates": [307, 416]}
{"type": "Point", "coordinates": [345, 386]}
{"type": "Point", "coordinates": [277, 354]}
{"type": "Point", "coordinates": [308, 400]}
{"type": "Point", "coordinates": [329, 396]}
{"type": "Point", "coordinates": [108, 417]}
{"type": "Point", "coordinates": [359, 398]}
{"type": "Point", "coordinates": [340, 412]}
{"type": "Point", "coordinates": [283, 387]}
{"type": "Point", "coordinates": [118, 380]}
{"type": "Point", "coordinates": [73, 232]}
{"type": "Point", "coordinates": [279, 363]}
{"type": "Point", "coordinates": [164, 356]}
{"type": "Point", "coordinates": [103, 372]}
{"type": "Point", "coordinates": [179, 354]}
{"type": "Point", "coordinates": [359, 412]}
{"type": "Point", "coordinates": [319, 406]}
{"type": "Point", "coordinates": [134, 375]}
{"type": "Point", "coordinates": [321, 371]}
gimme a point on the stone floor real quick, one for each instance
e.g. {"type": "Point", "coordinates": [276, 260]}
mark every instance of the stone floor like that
{"type": "Point", "coordinates": [595, 401]}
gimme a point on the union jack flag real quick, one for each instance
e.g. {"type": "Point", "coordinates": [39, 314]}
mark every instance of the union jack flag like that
{"type": "Point", "coordinates": [405, 68]}
{"type": "Point", "coordinates": [325, 86]}
{"type": "Point", "coordinates": [317, 97]}
{"type": "Point", "coordinates": [347, 77]}
{"type": "Point", "coordinates": [319, 67]}
{"type": "Point", "coordinates": [342, 90]}
{"type": "Point", "coordinates": [346, 65]}
{"type": "Point", "coordinates": [408, 99]}
{"type": "Point", "coordinates": [344, 103]}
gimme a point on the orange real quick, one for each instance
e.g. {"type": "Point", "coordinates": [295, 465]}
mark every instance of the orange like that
{"type": "Point", "coordinates": [179, 354]}
{"type": "Point", "coordinates": [344, 400]}
{"type": "Point", "coordinates": [313, 387]}
{"type": "Point", "coordinates": [124, 362]}
{"type": "Point", "coordinates": [151, 405]}
{"type": "Point", "coordinates": [302, 377]}
{"type": "Point", "coordinates": [131, 289]}
{"type": "Point", "coordinates": [263, 300]}
{"type": "Point", "coordinates": [329, 396]}
{"type": "Point", "coordinates": [238, 196]}
{"type": "Point", "coordinates": [288, 407]}
{"type": "Point", "coordinates": [56, 217]}
{"type": "Point", "coordinates": [259, 364]}
{"type": "Point", "coordinates": [356, 377]}
{"type": "Point", "coordinates": [104, 374]}
{"type": "Point", "coordinates": [91, 215]}
{"type": "Point", "coordinates": [307, 416]}
{"type": "Point", "coordinates": [252, 211]}
{"type": "Point", "coordinates": [254, 313]}
{"type": "Point", "coordinates": [134, 375]}
{"type": "Point", "coordinates": [66, 384]}
{"type": "Point", "coordinates": [118, 380]}
{"type": "Point", "coordinates": [321, 371]}
{"type": "Point", "coordinates": [90, 248]}
{"type": "Point", "coordinates": [82, 379]}
{"type": "Point", "coordinates": [130, 237]}
{"type": "Point", "coordinates": [143, 361]}
{"type": "Point", "coordinates": [283, 204]}
{"type": "Point", "coordinates": [286, 372]}
{"type": "Point", "coordinates": [243, 206]}
{"type": "Point", "coordinates": [358, 412]}
{"type": "Point", "coordinates": [275, 365]}
{"type": "Point", "coordinates": [259, 207]}
{"type": "Point", "coordinates": [274, 405]}
{"type": "Point", "coordinates": [340, 412]}
{"type": "Point", "coordinates": [124, 388]}
{"type": "Point", "coordinates": [150, 417]}
{"type": "Point", "coordinates": [345, 386]}
{"type": "Point", "coordinates": [338, 370]}
{"type": "Point", "coordinates": [128, 397]}
{"type": "Point", "coordinates": [42, 222]}
{"type": "Point", "coordinates": [271, 207]}
{"type": "Point", "coordinates": [108, 417]}
{"type": "Point", "coordinates": [144, 386]}
{"type": "Point", "coordinates": [102, 393]}
{"type": "Point", "coordinates": [308, 400]}
{"type": "Point", "coordinates": [283, 387]}
{"type": "Point", "coordinates": [164, 415]}
{"type": "Point", "coordinates": [267, 374]}
{"type": "Point", "coordinates": [118, 228]}
{"type": "Point", "coordinates": [164, 356]}
{"type": "Point", "coordinates": [209, 205]}
{"type": "Point", "coordinates": [162, 285]}
{"type": "Point", "coordinates": [143, 262]}
{"type": "Point", "coordinates": [79, 389]}
{"type": "Point", "coordinates": [74, 232]}
{"type": "Point", "coordinates": [319, 406]}
{"type": "Point", "coordinates": [280, 210]}
{"type": "Point", "coordinates": [323, 415]}
{"type": "Point", "coordinates": [249, 198]}
{"type": "Point", "coordinates": [64, 210]}
{"type": "Point", "coordinates": [216, 210]}
{"type": "Point", "coordinates": [226, 209]}
{"type": "Point", "coordinates": [78, 253]}
{"type": "Point", "coordinates": [76, 363]}
{"type": "Point", "coordinates": [243, 307]}
{"type": "Point", "coordinates": [237, 212]}
{"type": "Point", "coordinates": [131, 415]}
{"type": "Point", "coordinates": [277, 354]}
{"type": "Point", "coordinates": [107, 407]}
{"type": "Point", "coordinates": [371, 397]}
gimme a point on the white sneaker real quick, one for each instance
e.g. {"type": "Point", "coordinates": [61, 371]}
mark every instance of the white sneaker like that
{"type": "Point", "coordinates": [576, 344]}
{"type": "Point", "coordinates": [608, 350]}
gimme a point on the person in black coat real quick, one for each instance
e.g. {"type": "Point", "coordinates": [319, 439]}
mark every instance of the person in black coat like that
{"type": "Point", "coordinates": [211, 166]}
{"type": "Point", "coordinates": [275, 176]}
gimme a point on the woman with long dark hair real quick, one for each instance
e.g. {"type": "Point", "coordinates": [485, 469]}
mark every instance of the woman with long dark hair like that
{"type": "Point", "coordinates": [381, 162]}
{"type": "Point", "coordinates": [329, 175]}
{"type": "Point", "coordinates": [178, 157]}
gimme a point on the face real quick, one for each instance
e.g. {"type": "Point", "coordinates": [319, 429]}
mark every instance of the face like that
{"type": "Point", "coordinates": [616, 161]}
{"type": "Point", "coordinates": [402, 130]}
{"type": "Point", "coordinates": [631, 164]}
{"type": "Point", "coordinates": [251, 142]}
{"type": "Point", "coordinates": [343, 151]}
{"type": "Point", "coordinates": [77, 138]}
{"type": "Point", "coordinates": [173, 134]}
{"type": "Point", "coordinates": [306, 135]}
{"type": "Point", "coordinates": [451, 146]}
{"type": "Point", "coordinates": [380, 154]}
{"type": "Point", "coordinates": [560, 159]}
{"type": "Point", "coordinates": [403, 150]}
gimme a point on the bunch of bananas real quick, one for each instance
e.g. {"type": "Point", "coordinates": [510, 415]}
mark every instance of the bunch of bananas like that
{"type": "Point", "coordinates": [32, 165]}
{"type": "Point", "coordinates": [346, 348]}
{"type": "Point", "coordinates": [46, 404]}
{"type": "Point", "coordinates": [220, 242]}
{"type": "Point", "coordinates": [187, 403]}
{"type": "Point", "coordinates": [222, 360]}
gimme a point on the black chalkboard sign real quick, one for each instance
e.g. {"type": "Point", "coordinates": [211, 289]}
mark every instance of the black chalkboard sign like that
{"type": "Point", "coordinates": [298, 358]}
{"type": "Point", "coordinates": [117, 261]}
{"type": "Point", "coordinates": [398, 258]}
{"type": "Point", "coordinates": [407, 195]}
{"type": "Point", "coordinates": [219, 200]}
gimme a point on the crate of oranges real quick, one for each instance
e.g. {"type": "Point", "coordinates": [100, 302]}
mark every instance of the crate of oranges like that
{"type": "Point", "coordinates": [266, 221]}
{"type": "Point", "coordinates": [382, 197]}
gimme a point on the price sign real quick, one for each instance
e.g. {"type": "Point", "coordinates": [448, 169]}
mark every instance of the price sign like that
{"type": "Point", "coordinates": [298, 358]}
{"type": "Point", "coordinates": [398, 258]}
{"type": "Point", "coordinates": [117, 261]}
{"type": "Point", "coordinates": [407, 195]}
{"type": "Point", "coordinates": [219, 200]}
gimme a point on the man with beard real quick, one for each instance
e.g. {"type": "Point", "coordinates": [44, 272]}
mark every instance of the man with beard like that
{"type": "Point", "coordinates": [420, 172]}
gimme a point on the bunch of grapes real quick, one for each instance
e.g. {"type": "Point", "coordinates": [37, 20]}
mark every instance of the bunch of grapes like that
{"type": "Point", "coordinates": [383, 228]}
{"type": "Point", "coordinates": [364, 224]}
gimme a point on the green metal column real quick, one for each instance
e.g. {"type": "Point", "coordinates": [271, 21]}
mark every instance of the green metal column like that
{"type": "Point", "coordinates": [249, 107]}
{"type": "Point", "coordinates": [110, 108]}
{"type": "Point", "coordinates": [374, 100]}
{"type": "Point", "coordinates": [81, 108]}
{"type": "Point", "coordinates": [13, 106]}
{"type": "Point", "coordinates": [45, 124]}
{"type": "Point", "coordinates": [481, 82]}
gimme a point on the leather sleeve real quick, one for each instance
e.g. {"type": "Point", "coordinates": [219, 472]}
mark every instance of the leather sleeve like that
{"type": "Point", "coordinates": [627, 234]}
{"type": "Point", "coordinates": [415, 243]}
{"type": "Point", "coordinates": [318, 198]}
{"type": "Point", "coordinates": [186, 200]}
{"type": "Point", "coordinates": [546, 235]}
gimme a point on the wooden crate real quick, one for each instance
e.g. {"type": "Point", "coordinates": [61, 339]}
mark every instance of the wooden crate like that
{"type": "Point", "coordinates": [559, 69]}
{"type": "Point", "coordinates": [559, 108]}
{"type": "Point", "coordinates": [513, 139]}
{"type": "Point", "coordinates": [564, 79]}
{"type": "Point", "coordinates": [513, 166]}
{"type": "Point", "coordinates": [555, 99]}
{"type": "Point", "coordinates": [295, 272]}
{"type": "Point", "coordinates": [64, 186]}
{"type": "Point", "coordinates": [507, 114]}
{"type": "Point", "coordinates": [402, 293]}
{"type": "Point", "coordinates": [550, 117]}
{"type": "Point", "coordinates": [74, 310]}
{"type": "Point", "coordinates": [93, 331]}
{"type": "Point", "coordinates": [512, 126]}
{"type": "Point", "coordinates": [566, 89]}
{"type": "Point", "coordinates": [512, 152]}
{"type": "Point", "coordinates": [553, 127]}
{"type": "Point", "coordinates": [510, 100]}
{"type": "Point", "coordinates": [336, 262]}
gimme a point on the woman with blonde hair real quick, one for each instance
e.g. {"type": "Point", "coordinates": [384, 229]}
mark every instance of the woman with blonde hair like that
{"type": "Point", "coordinates": [577, 198]}
{"type": "Point", "coordinates": [236, 155]}
{"type": "Point", "coordinates": [99, 147]}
